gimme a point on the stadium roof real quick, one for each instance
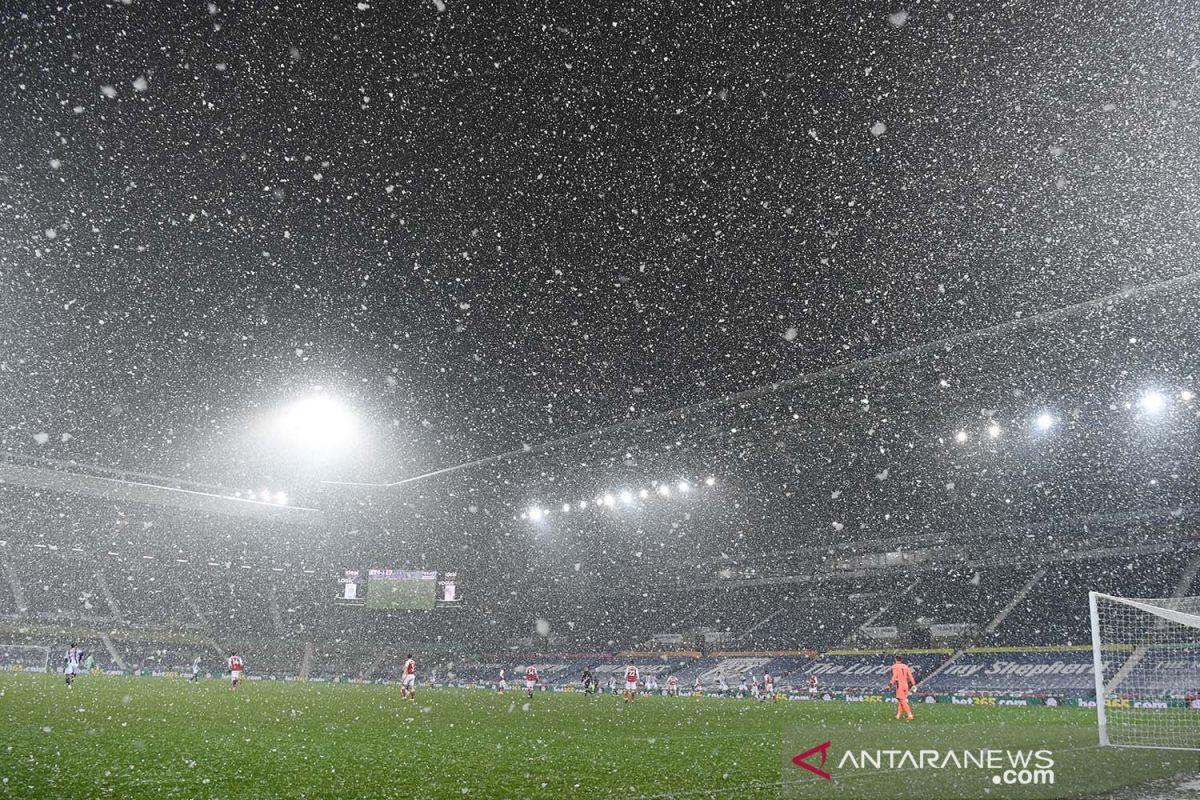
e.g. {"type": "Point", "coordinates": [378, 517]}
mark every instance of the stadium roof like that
{"type": "Point", "coordinates": [148, 490]}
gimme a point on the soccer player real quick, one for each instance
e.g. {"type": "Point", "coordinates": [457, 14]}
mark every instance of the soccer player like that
{"type": "Point", "coordinates": [902, 679]}
{"type": "Point", "coordinates": [697, 688]}
{"type": "Point", "coordinates": [672, 686]}
{"type": "Point", "coordinates": [631, 682]}
{"type": "Point", "coordinates": [531, 679]}
{"type": "Point", "coordinates": [408, 680]}
{"type": "Point", "coordinates": [742, 688]}
{"type": "Point", "coordinates": [195, 669]}
{"type": "Point", "coordinates": [71, 659]}
{"type": "Point", "coordinates": [768, 687]}
{"type": "Point", "coordinates": [589, 683]}
{"type": "Point", "coordinates": [812, 685]}
{"type": "Point", "coordinates": [722, 686]}
{"type": "Point", "coordinates": [502, 686]}
{"type": "Point", "coordinates": [235, 670]}
{"type": "Point", "coordinates": [651, 684]}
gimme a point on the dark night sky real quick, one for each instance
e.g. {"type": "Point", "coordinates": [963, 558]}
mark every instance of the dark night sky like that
{"type": "Point", "coordinates": [490, 225]}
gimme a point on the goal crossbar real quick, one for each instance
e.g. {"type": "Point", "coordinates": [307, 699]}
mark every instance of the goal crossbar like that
{"type": "Point", "coordinates": [1146, 664]}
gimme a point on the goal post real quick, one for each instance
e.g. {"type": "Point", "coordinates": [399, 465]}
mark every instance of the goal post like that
{"type": "Point", "coordinates": [25, 657]}
{"type": "Point", "coordinates": [1146, 659]}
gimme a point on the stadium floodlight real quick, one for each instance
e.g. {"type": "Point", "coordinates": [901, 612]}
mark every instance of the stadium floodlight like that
{"type": "Point", "coordinates": [1186, 395]}
{"type": "Point", "coordinates": [710, 480]}
{"type": "Point", "coordinates": [664, 490]}
{"type": "Point", "coordinates": [642, 493]}
{"type": "Point", "coordinates": [960, 437]}
{"type": "Point", "coordinates": [317, 422]}
{"type": "Point", "coordinates": [582, 504]}
{"type": "Point", "coordinates": [535, 513]}
{"type": "Point", "coordinates": [1045, 421]}
{"type": "Point", "coordinates": [264, 495]}
{"type": "Point", "coordinates": [566, 507]}
{"type": "Point", "coordinates": [281, 499]}
{"type": "Point", "coordinates": [626, 496]}
{"type": "Point", "coordinates": [608, 500]}
{"type": "Point", "coordinates": [1152, 403]}
{"type": "Point", "coordinates": [684, 487]}
{"type": "Point", "coordinates": [993, 430]}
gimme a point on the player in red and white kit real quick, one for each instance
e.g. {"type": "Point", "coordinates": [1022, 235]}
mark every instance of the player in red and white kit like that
{"type": "Point", "coordinates": [531, 679]}
{"type": "Point", "coordinates": [502, 686]}
{"type": "Point", "coordinates": [408, 680]}
{"type": "Point", "coordinates": [631, 682]}
{"type": "Point", "coordinates": [768, 687]}
{"type": "Point", "coordinates": [235, 670]}
{"type": "Point", "coordinates": [812, 685]}
{"type": "Point", "coordinates": [672, 686]}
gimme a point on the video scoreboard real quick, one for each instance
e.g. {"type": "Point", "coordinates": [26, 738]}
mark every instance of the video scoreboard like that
{"type": "Point", "coordinates": [419, 590]}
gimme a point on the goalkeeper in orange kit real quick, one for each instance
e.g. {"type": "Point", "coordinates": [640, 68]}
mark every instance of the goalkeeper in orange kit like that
{"type": "Point", "coordinates": [903, 680]}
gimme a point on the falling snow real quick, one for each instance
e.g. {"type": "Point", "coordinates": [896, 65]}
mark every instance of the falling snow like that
{"type": "Point", "coordinates": [673, 331]}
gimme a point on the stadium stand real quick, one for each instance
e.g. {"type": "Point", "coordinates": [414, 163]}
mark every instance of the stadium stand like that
{"type": "Point", "coordinates": [955, 596]}
{"type": "Point", "coordinates": [150, 589]}
{"type": "Point", "coordinates": [1055, 612]}
{"type": "Point", "coordinates": [1016, 672]}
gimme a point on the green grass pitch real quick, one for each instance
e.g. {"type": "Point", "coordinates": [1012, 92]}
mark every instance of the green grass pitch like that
{"type": "Point", "coordinates": [167, 738]}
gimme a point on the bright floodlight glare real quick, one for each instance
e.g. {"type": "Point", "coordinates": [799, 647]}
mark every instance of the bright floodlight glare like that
{"type": "Point", "coordinates": [264, 495]}
{"type": "Point", "coordinates": [626, 497]}
{"type": "Point", "coordinates": [1045, 421]}
{"type": "Point", "coordinates": [643, 494]}
{"type": "Point", "coordinates": [535, 513]}
{"type": "Point", "coordinates": [683, 486]}
{"type": "Point", "coordinates": [318, 422]}
{"type": "Point", "coordinates": [608, 500]}
{"type": "Point", "coordinates": [1153, 403]}
{"type": "Point", "coordinates": [663, 489]}
{"type": "Point", "coordinates": [710, 480]}
{"type": "Point", "coordinates": [993, 430]}
{"type": "Point", "coordinates": [281, 499]}
{"type": "Point", "coordinates": [1186, 395]}
{"type": "Point", "coordinates": [960, 437]}
{"type": "Point", "coordinates": [566, 507]}
{"type": "Point", "coordinates": [583, 504]}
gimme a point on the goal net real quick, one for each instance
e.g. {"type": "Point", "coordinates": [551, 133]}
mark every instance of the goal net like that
{"type": "Point", "coordinates": [26, 657]}
{"type": "Point", "coordinates": [1146, 656]}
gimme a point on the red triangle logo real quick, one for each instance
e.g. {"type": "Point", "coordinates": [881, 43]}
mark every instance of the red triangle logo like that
{"type": "Point", "coordinates": [799, 760]}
